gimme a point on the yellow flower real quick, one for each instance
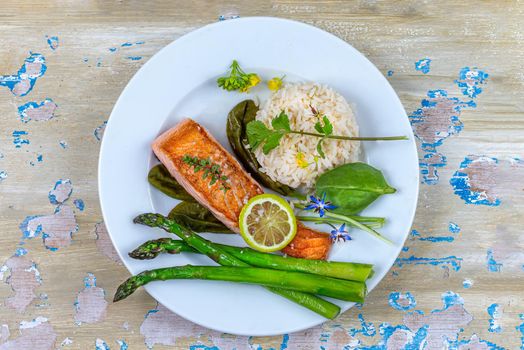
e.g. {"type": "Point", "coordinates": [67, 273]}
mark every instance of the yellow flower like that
{"type": "Point", "coordinates": [254, 79]}
{"type": "Point", "coordinates": [274, 84]}
{"type": "Point", "coordinates": [301, 160]}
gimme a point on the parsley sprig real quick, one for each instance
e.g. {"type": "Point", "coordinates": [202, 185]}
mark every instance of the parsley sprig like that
{"type": "Point", "coordinates": [238, 79]}
{"type": "Point", "coordinates": [209, 169]}
{"type": "Point", "coordinates": [258, 134]}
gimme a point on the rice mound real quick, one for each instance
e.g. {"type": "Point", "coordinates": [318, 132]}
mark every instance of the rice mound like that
{"type": "Point", "coordinates": [282, 164]}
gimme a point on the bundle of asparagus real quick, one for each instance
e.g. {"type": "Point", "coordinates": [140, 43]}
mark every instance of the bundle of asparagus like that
{"type": "Point", "coordinates": [295, 279]}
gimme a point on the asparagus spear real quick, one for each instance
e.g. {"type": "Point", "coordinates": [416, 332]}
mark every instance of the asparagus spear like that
{"type": "Point", "coordinates": [296, 281]}
{"type": "Point", "coordinates": [348, 271]}
{"type": "Point", "coordinates": [312, 302]}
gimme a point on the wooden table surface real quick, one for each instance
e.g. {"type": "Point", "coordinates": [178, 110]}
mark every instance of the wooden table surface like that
{"type": "Point", "coordinates": [458, 69]}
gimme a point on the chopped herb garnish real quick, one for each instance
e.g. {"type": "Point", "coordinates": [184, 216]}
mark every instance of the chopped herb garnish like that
{"type": "Point", "coordinates": [209, 169]}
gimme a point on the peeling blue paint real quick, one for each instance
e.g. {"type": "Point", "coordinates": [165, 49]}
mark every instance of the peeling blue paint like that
{"type": "Point", "coordinates": [449, 299]}
{"type": "Point", "coordinates": [415, 234]}
{"type": "Point", "coordinates": [283, 345]}
{"type": "Point", "coordinates": [99, 131]}
{"type": "Point", "coordinates": [112, 49]}
{"type": "Point", "coordinates": [367, 328]}
{"type": "Point", "coordinates": [520, 328]}
{"type": "Point", "coordinates": [60, 183]}
{"type": "Point", "coordinates": [417, 342]}
{"type": "Point", "coordinates": [390, 73]}
{"type": "Point", "coordinates": [79, 204]}
{"type": "Point", "coordinates": [26, 233]}
{"type": "Point", "coordinates": [20, 251]}
{"type": "Point", "coordinates": [123, 345]}
{"type": "Point", "coordinates": [30, 234]}
{"type": "Point", "coordinates": [453, 228]}
{"type": "Point", "coordinates": [228, 16]}
{"type": "Point", "coordinates": [432, 159]}
{"type": "Point", "coordinates": [23, 82]}
{"type": "Point", "coordinates": [423, 65]}
{"type": "Point", "coordinates": [22, 110]}
{"type": "Point", "coordinates": [134, 58]}
{"type": "Point", "coordinates": [493, 265]}
{"type": "Point", "coordinates": [3, 175]}
{"type": "Point", "coordinates": [101, 345]}
{"type": "Point", "coordinates": [463, 345]}
{"type": "Point", "coordinates": [53, 42]}
{"type": "Point", "coordinates": [495, 314]}
{"type": "Point", "coordinates": [128, 44]}
{"type": "Point", "coordinates": [18, 141]}
{"type": "Point", "coordinates": [462, 187]}
{"type": "Point", "coordinates": [39, 159]}
{"type": "Point", "coordinates": [90, 280]}
{"type": "Point", "coordinates": [203, 347]}
{"type": "Point", "coordinates": [467, 283]}
{"type": "Point", "coordinates": [63, 144]}
{"type": "Point", "coordinates": [449, 261]}
{"type": "Point", "coordinates": [398, 301]}
{"type": "Point", "coordinates": [469, 81]}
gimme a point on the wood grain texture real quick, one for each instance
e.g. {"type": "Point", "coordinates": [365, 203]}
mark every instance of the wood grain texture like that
{"type": "Point", "coordinates": [466, 277]}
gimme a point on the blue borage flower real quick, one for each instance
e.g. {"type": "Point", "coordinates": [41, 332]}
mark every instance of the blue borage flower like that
{"type": "Point", "coordinates": [319, 205]}
{"type": "Point", "coordinates": [338, 234]}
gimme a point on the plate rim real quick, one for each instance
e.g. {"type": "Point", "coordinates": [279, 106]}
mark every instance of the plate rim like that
{"type": "Point", "coordinates": [187, 36]}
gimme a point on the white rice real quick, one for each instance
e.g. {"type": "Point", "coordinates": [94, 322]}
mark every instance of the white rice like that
{"type": "Point", "coordinates": [295, 99]}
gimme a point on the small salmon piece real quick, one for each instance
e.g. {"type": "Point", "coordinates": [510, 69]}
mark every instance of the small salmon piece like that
{"type": "Point", "coordinates": [188, 138]}
{"type": "Point", "coordinates": [308, 244]}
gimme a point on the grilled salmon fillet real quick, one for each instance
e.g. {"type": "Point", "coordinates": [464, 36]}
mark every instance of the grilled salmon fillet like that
{"type": "Point", "coordinates": [225, 197]}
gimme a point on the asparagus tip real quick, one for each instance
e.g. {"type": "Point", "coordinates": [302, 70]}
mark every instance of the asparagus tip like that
{"type": "Point", "coordinates": [127, 288]}
{"type": "Point", "coordinates": [151, 249]}
{"type": "Point", "coordinates": [140, 254]}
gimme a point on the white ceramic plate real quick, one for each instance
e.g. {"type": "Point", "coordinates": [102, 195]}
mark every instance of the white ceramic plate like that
{"type": "Point", "coordinates": [180, 81]}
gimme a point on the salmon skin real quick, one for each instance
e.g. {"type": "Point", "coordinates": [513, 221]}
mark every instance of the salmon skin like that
{"type": "Point", "coordinates": [178, 149]}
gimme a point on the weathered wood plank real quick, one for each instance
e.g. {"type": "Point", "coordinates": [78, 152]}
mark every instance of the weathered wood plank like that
{"type": "Point", "coordinates": [468, 222]}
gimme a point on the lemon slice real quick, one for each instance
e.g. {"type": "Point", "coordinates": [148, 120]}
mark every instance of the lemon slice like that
{"type": "Point", "coordinates": [267, 223]}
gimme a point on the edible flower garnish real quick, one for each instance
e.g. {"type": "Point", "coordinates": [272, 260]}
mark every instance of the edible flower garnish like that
{"type": "Point", "coordinates": [210, 169]}
{"type": "Point", "coordinates": [339, 234]}
{"type": "Point", "coordinates": [254, 79]}
{"type": "Point", "coordinates": [275, 84]}
{"type": "Point", "coordinates": [319, 205]}
{"type": "Point", "coordinates": [258, 134]}
{"type": "Point", "coordinates": [301, 160]}
{"type": "Point", "coordinates": [238, 79]}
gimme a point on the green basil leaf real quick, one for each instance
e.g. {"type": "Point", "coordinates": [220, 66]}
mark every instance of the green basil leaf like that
{"type": "Point", "coordinates": [319, 149]}
{"type": "Point", "coordinates": [318, 128]}
{"type": "Point", "coordinates": [328, 127]}
{"type": "Point", "coordinates": [197, 218]}
{"type": "Point", "coordinates": [352, 187]}
{"type": "Point", "coordinates": [281, 122]}
{"type": "Point", "coordinates": [272, 142]}
{"type": "Point", "coordinates": [257, 133]}
{"type": "Point", "coordinates": [160, 178]}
